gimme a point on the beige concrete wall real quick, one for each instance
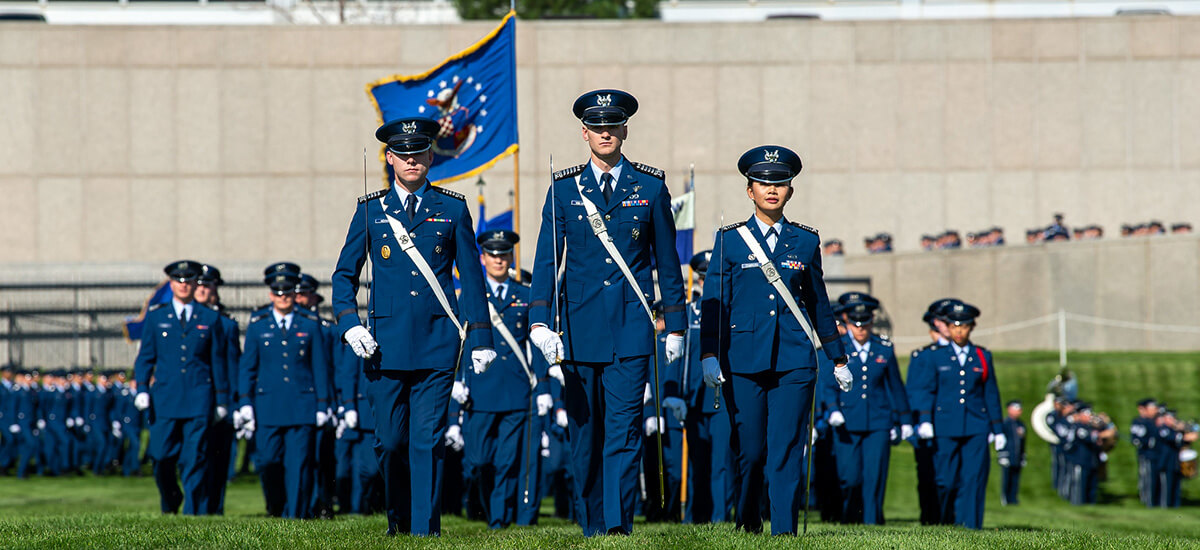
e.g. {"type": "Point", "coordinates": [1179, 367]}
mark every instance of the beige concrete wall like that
{"type": "Point", "coordinates": [1146, 280]}
{"type": "Point", "coordinates": [130, 147]}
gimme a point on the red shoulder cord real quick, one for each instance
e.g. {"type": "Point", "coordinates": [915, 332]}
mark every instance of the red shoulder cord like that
{"type": "Point", "coordinates": [982, 360]}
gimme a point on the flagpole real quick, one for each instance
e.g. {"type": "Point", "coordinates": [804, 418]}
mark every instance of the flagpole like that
{"type": "Point", "coordinates": [516, 208]}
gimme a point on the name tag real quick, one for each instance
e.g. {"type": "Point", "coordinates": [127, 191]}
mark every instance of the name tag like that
{"type": "Point", "coordinates": [576, 203]}
{"type": "Point", "coordinates": [381, 220]}
{"type": "Point", "coordinates": [751, 264]}
{"type": "Point", "coordinates": [164, 325]}
{"type": "Point", "coordinates": [943, 368]}
{"type": "Point", "coordinates": [639, 202]}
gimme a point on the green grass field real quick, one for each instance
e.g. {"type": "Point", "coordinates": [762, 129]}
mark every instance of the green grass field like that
{"type": "Point", "coordinates": [121, 513]}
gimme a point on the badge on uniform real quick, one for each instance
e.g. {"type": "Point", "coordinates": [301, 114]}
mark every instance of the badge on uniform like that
{"type": "Point", "coordinates": [793, 264]}
{"type": "Point", "coordinates": [880, 359]}
{"type": "Point", "coordinates": [637, 233]}
{"type": "Point", "coordinates": [385, 252]}
{"type": "Point", "coordinates": [440, 220]}
{"type": "Point", "coordinates": [576, 203]}
{"type": "Point", "coordinates": [437, 249]}
{"type": "Point", "coordinates": [639, 202]}
{"type": "Point", "coordinates": [381, 220]}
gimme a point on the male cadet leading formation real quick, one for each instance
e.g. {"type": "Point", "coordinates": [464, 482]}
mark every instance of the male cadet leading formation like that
{"type": "Point", "coordinates": [417, 328]}
{"type": "Point", "coordinates": [183, 352]}
{"type": "Point", "coordinates": [609, 221]}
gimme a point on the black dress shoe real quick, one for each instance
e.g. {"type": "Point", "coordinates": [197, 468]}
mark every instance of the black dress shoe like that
{"type": "Point", "coordinates": [390, 532]}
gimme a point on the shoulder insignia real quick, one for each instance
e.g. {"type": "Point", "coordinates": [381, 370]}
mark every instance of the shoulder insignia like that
{"type": "Point", "coordinates": [226, 314]}
{"type": "Point", "coordinates": [647, 169]}
{"type": "Point", "coordinates": [450, 193]}
{"type": "Point", "coordinates": [733, 226]}
{"type": "Point", "coordinates": [308, 313]}
{"type": "Point", "coordinates": [810, 229]}
{"type": "Point", "coordinates": [885, 340]}
{"type": "Point", "coordinates": [568, 172]}
{"type": "Point", "coordinates": [372, 196]}
{"type": "Point", "coordinates": [259, 317]}
{"type": "Point", "coordinates": [156, 306]}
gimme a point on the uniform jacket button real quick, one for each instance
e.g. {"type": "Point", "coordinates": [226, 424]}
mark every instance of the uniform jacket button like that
{"type": "Point", "coordinates": [962, 400]}
{"type": "Point", "coordinates": [606, 283]}
{"type": "Point", "coordinates": [772, 313]}
{"type": "Point", "coordinates": [414, 293]}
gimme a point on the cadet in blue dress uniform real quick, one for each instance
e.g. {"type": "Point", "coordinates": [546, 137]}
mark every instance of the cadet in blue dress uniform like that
{"type": "Point", "coordinates": [867, 419]}
{"type": "Point", "coordinates": [1011, 457]}
{"type": "Point", "coordinates": [8, 439]}
{"type": "Point", "coordinates": [357, 431]}
{"type": "Point", "coordinates": [751, 335]}
{"type": "Point", "coordinates": [710, 467]}
{"type": "Point", "coordinates": [129, 422]}
{"type": "Point", "coordinates": [1142, 435]}
{"type": "Point", "coordinates": [412, 346]}
{"type": "Point", "coordinates": [307, 302]}
{"type": "Point", "coordinates": [925, 448]}
{"type": "Point", "coordinates": [183, 349]}
{"type": "Point", "coordinates": [222, 443]}
{"type": "Point", "coordinates": [498, 401]}
{"type": "Point", "coordinates": [608, 338]}
{"type": "Point", "coordinates": [958, 402]}
{"type": "Point", "coordinates": [24, 423]}
{"type": "Point", "coordinates": [283, 393]}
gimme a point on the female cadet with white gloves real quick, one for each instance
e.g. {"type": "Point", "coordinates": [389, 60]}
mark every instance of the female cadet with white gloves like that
{"type": "Point", "coordinates": [764, 310]}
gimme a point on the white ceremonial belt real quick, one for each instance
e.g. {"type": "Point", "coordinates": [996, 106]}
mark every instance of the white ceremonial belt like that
{"type": "Point", "coordinates": [773, 277]}
{"type": "Point", "coordinates": [601, 232]}
{"type": "Point", "coordinates": [410, 248]}
{"type": "Point", "coordinates": [500, 327]}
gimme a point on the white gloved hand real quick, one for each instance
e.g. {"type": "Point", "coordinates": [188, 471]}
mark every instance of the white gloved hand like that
{"type": "Point", "coordinates": [653, 423]}
{"type": "Point", "coordinates": [15, 429]}
{"type": "Point", "coordinates": [712, 372]}
{"type": "Point", "coordinates": [142, 401]}
{"type": "Point", "coordinates": [70, 422]}
{"type": "Point", "coordinates": [647, 395]}
{"type": "Point", "coordinates": [1001, 441]}
{"type": "Point", "coordinates": [481, 359]}
{"type": "Point", "coordinates": [843, 376]}
{"type": "Point", "coordinates": [116, 428]}
{"type": "Point", "coordinates": [41, 424]}
{"type": "Point", "coordinates": [545, 440]}
{"type": "Point", "coordinates": [544, 404]}
{"type": "Point", "coordinates": [79, 421]}
{"type": "Point", "coordinates": [674, 347]}
{"type": "Point", "coordinates": [351, 419]}
{"type": "Point", "coordinates": [906, 431]}
{"type": "Point", "coordinates": [459, 392]}
{"type": "Point", "coordinates": [247, 415]}
{"type": "Point", "coordinates": [247, 430]}
{"type": "Point", "coordinates": [991, 438]}
{"type": "Point", "coordinates": [322, 418]}
{"type": "Point", "coordinates": [560, 418]}
{"type": "Point", "coordinates": [925, 430]}
{"type": "Point", "coordinates": [678, 408]}
{"type": "Point", "coordinates": [548, 342]}
{"type": "Point", "coordinates": [1004, 462]}
{"type": "Point", "coordinates": [836, 419]}
{"type": "Point", "coordinates": [556, 373]}
{"type": "Point", "coordinates": [222, 412]}
{"type": "Point", "coordinates": [813, 440]}
{"type": "Point", "coordinates": [341, 429]}
{"type": "Point", "coordinates": [361, 341]}
{"type": "Point", "coordinates": [893, 434]}
{"type": "Point", "coordinates": [454, 438]}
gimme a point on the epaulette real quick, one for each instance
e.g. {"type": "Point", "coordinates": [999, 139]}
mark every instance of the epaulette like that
{"type": "Point", "coordinates": [372, 196]}
{"type": "Point", "coordinates": [883, 339]}
{"type": "Point", "coordinates": [305, 312]}
{"type": "Point", "coordinates": [259, 317]}
{"type": "Point", "coordinates": [647, 169]}
{"type": "Point", "coordinates": [929, 347]}
{"type": "Point", "coordinates": [568, 172]}
{"type": "Point", "coordinates": [450, 193]}
{"type": "Point", "coordinates": [810, 229]}
{"type": "Point", "coordinates": [156, 306]}
{"type": "Point", "coordinates": [733, 226]}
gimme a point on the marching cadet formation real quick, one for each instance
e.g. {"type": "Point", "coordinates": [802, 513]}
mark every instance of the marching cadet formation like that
{"type": "Point", "coordinates": [746, 399]}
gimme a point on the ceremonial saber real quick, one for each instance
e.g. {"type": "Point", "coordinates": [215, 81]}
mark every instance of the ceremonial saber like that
{"type": "Point", "coordinates": [658, 421]}
{"type": "Point", "coordinates": [720, 310]}
{"type": "Point", "coordinates": [367, 249]}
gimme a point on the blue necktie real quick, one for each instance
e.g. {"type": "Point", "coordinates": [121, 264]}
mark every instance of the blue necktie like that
{"type": "Point", "coordinates": [606, 186]}
{"type": "Point", "coordinates": [772, 238]}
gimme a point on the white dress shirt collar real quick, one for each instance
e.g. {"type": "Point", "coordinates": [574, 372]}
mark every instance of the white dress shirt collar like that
{"type": "Point", "coordinates": [616, 171]}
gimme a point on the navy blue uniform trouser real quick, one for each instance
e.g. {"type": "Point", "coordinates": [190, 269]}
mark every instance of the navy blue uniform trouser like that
{"type": "Point", "coordinates": [220, 435]}
{"type": "Point", "coordinates": [862, 465]}
{"type": "Point", "coordinates": [710, 471]}
{"type": "Point", "coordinates": [365, 484]}
{"type": "Point", "coordinates": [962, 471]}
{"type": "Point", "coordinates": [182, 443]}
{"type": "Point", "coordinates": [287, 465]}
{"type": "Point", "coordinates": [410, 423]}
{"type": "Point", "coordinates": [672, 442]}
{"type": "Point", "coordinates": [604, 410]}
{"type": "Point", "coordinates": [770, 412]}
{"type": "Point", "coordinates": [131, 443]}
{"type": "Point", "coordinates": [494, 445]}
{"type": "Point", "coordinates": [1010, 484]}
{"type": "Point", "coordinates": [924, 453]}
{"type": "Point", "coordinates": [529, 489]}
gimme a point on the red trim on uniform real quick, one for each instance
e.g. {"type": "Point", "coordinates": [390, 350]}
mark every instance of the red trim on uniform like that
{"type": "Point", "coordinates": [979, 352]}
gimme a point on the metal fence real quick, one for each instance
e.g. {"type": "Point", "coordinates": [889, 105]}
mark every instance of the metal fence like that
{"type": "Point", "coordinates": [75, 325]}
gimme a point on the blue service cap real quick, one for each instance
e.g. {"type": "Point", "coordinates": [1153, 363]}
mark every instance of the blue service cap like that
{"type": "Point", "coordinates": [408, 136]}
{"type": "Point", "coordinates": [497, 241]}
{"type": "Point", "coordinates": [770, 164]}
{"type": "Point", "coordinates": [183, 270]}
{"type": "Point", "coordinates": [1145, 402]}
{"type": "Point", "coordinates": [859, 313]}
{"type": "Point", "coordinates": [856, 296]}
{"type": "Point", "coordinates": [210, 275]}
{"type": "Point", "coordinates": [605, 107]}
{"type": "Point", "coordinates": [282, 283]}
{"type": "Point", "coordinates": [307, 283]}
{"type": "Point", "coordinates": [960, 313]}
{"type": "Point", "coordinates": [281, 267]}
{"type": "Point", "coordinates": [1016, 402]}
{"type": "Point", "coordinates": [699, 262]}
